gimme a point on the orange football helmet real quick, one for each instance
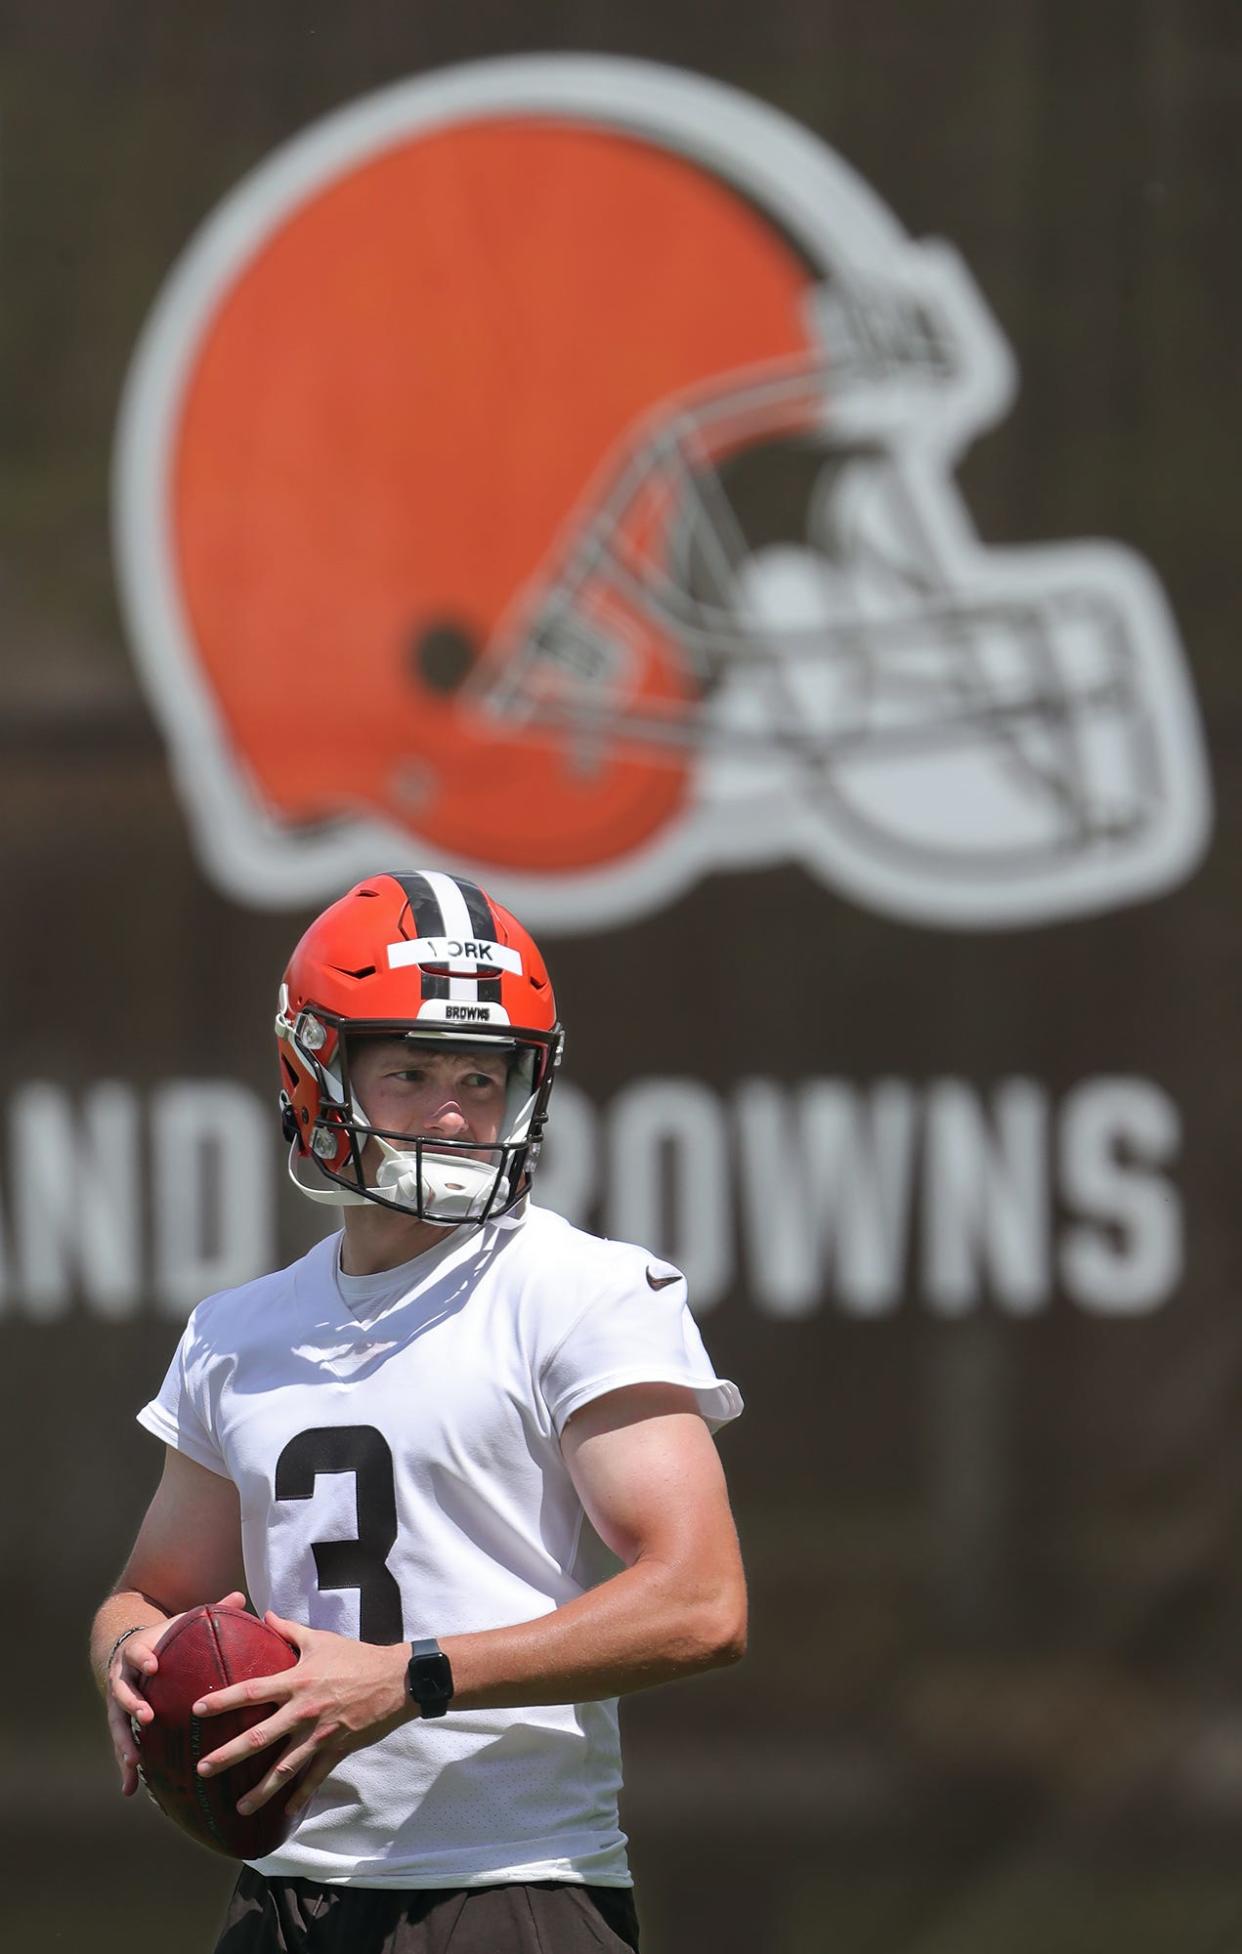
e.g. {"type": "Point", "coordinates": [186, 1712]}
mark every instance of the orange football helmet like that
{"type": "Point", "coordinates": [548, 465]}
{"type": "Point", "coordinates": [428, 957]}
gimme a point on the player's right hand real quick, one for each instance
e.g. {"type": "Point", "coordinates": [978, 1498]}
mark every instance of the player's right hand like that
{"type": "Point", "coordinates": [134, 1660]}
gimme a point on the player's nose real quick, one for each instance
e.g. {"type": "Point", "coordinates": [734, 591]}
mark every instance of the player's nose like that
{"type": "Point", "coordinates": [448, 1122]}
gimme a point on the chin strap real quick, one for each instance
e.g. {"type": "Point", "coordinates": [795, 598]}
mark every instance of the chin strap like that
{"type": "Point", "coordinates": [442, 1188]}
{"type": "Point", "coordinates": [326, 1192]}
{"type": "Point", "coordinates": [452, 1186]}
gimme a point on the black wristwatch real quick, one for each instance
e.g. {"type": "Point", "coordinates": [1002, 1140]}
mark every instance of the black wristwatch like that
{"type": "Point", "coordinates": [429, 1677]}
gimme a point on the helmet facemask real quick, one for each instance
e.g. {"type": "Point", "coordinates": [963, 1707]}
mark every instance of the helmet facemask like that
{"type": "Point", "coordinates": [428, 1178]}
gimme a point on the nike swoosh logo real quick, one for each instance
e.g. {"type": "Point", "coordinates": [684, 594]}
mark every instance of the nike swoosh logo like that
{"type": "Point", "coordinates": [660, 1282]}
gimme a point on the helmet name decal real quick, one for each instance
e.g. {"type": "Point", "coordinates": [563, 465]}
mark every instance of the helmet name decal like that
{"type": "Point", "coordinates": [438, 1010]}
{"type": "Point", "coordinates": [456, 954]}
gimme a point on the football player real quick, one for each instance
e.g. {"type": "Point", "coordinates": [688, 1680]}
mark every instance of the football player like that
{"type": "Point", "coordinates": [460, 1455]}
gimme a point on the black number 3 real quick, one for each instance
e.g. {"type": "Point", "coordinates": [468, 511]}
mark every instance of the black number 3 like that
{"type": "Point", "coordinates": [359, 1563]}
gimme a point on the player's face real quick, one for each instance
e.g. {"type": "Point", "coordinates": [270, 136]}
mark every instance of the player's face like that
{"type": "Point", "coordinates": [423, 1093]}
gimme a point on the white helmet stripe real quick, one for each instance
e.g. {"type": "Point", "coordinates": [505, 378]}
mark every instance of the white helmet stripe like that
{"type": "Point", "coordinates": [462, 990]}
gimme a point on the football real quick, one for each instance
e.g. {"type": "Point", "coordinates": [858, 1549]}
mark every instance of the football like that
{"type": "Point", "coordinates": [206, 1649]}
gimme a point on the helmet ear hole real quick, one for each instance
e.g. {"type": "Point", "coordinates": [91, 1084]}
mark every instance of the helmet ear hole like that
{"type": "Point", "coordinates": [288, 1120]}
{"type": "Point", "coordinates": [443, 655]}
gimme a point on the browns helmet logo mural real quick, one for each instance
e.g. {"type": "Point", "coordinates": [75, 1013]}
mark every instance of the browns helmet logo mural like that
{"type": "Point", "coordinates": [546, 467]}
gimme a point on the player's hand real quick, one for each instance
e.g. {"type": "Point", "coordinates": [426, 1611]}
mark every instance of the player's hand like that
{"type": "Point", "coordinates": [134, 1660]}
{"type": "Point", "coordinates": [338, 1697]}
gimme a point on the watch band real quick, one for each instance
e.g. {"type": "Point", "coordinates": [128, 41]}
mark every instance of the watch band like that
{"type": "Point", "coordinates": [429, 1677]}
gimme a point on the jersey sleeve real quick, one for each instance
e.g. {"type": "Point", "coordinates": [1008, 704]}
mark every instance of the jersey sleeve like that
{"type": "Point", "coordinates": [638, 1330]}
{"type": "Point", "coordinates": [175, 1415]}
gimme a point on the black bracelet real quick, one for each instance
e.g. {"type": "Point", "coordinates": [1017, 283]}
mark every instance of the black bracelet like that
{"type": "Point", "coordinates": [124, 1637]}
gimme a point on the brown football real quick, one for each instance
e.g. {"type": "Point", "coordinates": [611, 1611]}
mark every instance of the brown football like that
{"type": "Point", "coordinates": [206, 1649]}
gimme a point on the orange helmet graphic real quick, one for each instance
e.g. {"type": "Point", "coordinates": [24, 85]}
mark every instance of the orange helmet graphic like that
{"type": "Point", "coordinates": [430, 958]}
{"type": "Point", "coordinates": [547, 464]}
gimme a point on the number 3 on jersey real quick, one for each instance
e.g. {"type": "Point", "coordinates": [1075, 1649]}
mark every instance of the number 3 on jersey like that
{"type": "Point", "coordinates": [360, 1563]}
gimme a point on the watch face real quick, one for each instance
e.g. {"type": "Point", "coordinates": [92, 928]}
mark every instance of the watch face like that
{"type": "Point", "coordinates": [430, 1680]}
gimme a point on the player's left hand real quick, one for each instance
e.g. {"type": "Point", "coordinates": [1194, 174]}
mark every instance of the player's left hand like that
{"type": "Point", "coordinates": [340, 1696]}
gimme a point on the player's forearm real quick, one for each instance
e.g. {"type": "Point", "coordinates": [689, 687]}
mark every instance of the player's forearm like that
{"type": "Point", "coordinates": [127, 1608]}
{"type": "Point", "coordinates": [644, 1626]}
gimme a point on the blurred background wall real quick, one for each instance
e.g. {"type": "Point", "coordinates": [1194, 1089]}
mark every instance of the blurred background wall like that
{"type": "Point", "coordinates": [903, 1011]}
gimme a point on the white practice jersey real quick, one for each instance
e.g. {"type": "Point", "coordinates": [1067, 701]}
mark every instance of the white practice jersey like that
{"type": "Point", "coordinates": [396, 1444]}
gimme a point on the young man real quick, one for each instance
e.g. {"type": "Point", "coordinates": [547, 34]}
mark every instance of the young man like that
{"type": "Point", "coordinates": [461, 1456]}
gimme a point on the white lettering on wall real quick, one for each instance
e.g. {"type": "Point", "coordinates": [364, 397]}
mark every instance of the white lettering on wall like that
{"type": "Point", "coordinates": [213, 1211]}
{"type": "Point", "coordinates": [669, 1180]}
{"type": "Point", "coordinates": [1124, 1256]}
{"type": "Point", "coordinates": [795, 1200]}
{"type": "Point", "coordinates": [826, 1174]}
{"type": "Point", "coordinates": [986, 1212]}
{"type": "Point", "coordinates": [75, 1203]}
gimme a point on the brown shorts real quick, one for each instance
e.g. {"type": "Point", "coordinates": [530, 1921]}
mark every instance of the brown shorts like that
{"type": "Point", "coordinates": [298, 1916]}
